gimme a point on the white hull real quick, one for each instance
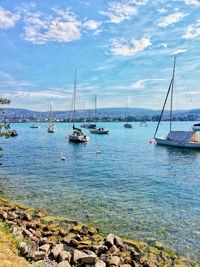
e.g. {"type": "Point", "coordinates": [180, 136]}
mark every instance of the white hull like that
{"type": "Point", "coordinates": [52, 129]}
{"type": "Point", "coordinates": [182, 144]}
{"type": "Point", "coordinates": [99, 131]}
{"type": "Point", "coordinates": [78, 139]}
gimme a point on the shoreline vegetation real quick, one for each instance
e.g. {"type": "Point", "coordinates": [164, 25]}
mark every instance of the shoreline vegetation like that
{"type": "Point", "coordinates": [30, 237]}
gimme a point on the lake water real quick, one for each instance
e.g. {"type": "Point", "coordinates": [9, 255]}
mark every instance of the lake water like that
{"type": "Point", "coordinates": [132, 188]}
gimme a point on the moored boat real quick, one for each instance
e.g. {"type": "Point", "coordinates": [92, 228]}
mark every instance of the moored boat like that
{"type": "Point", "coordinates": [196, 127]}
{"type": "Point", "coordinates": [77, 135]}
{"type": "Point", "coordinates": [52, 127]}
{"type": "Point", "coordinates": [128, 125]}
{"type": "Point", "coordinates": [98, 130]}
{"type": "Point", "coordinates": [88, 126]}
{"type": "Point", "coordinates": [34, 126]}
{"type": "Point", "coordinates": [181, 139]}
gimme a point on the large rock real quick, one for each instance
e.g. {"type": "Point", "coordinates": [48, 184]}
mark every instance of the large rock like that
{"type": "Point", "coordinates": [64, 256]}
{"type": "Point", "coordinates": [91, 257]}
{"type": "Point", "coordinates": [39, 255]}
{"type": "Point", "coordinates": [118, 241]}
{"type": "Point", "coordinates": [57, 250]}
{"type": "Point", "coordinates": [41, 213]}
{"type": "Point", "coordinates": [64, 264]}
{"type": "Point", "coordinates": [4, 215]}
{"type": "Point", "coordinates": [100, 263]}
{"type": "Point", "coordinates": [115, 261]}
{"type": "Point", "coordinates": [86, 257]}
{"type": "Point", "coordinates": [27, 217]}
{"type": "Point", "coordinates": [78, 256]}
{"type": "Point", "coordinates": [114, 250]}
{"type": "Point", "coordinates": [109, 242]}
{"type": "Point", "coordinates": [45, 248]}
{"type": "Point", "coordinates": [27, 233]}
{"type": "Point", "coordinates": [23, 248]}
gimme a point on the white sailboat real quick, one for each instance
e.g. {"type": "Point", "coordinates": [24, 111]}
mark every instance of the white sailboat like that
{"type": "Point", "coordinates": [77, 136]}
{"type": "Point", "coordinates": [98, 130]}
{"type": "Point", "coordinates": [126, 124]}
{"type": "Point", "coordinates": [52, 127]}
{"type": "Point", "coordinates": [182, 139]}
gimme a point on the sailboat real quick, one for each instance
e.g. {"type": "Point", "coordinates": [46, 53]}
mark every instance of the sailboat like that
{"type": "Point", "coordinates": [126, 124]}
{"type": "Point", "coordinates": [52, 127]}
{"type": "Point", "coordinates": [77, 136]}
{"type": "Point", "coordinates": [98, 130]}
{"type": "Point", "coordinates": [182, 139]}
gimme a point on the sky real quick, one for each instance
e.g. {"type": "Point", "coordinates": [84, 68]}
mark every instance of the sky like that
{"type": "Point", "coordinates": [123, 51]}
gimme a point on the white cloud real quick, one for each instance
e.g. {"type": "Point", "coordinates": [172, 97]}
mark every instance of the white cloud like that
{"type": "Point", "coordinates": [131, 48]}
{"type": "Point", "coordinates": [118, 12]}
{"type": "Point", "coordinates": [7, 18]}
{"type": "Point", "coordinates": [179, 51]}
{"type": "Point", "coordinates": [161, 10]}
{"type": "Point", "coordinates": [43, 94]}
{"type": "Point", "coordinates": [40, 29]}
{"type": "Point", "coordinates": [142, 83]}
{"type": "Point", "coordinates": [91, 24]}
{"type": "Point", "coordinates": [171, 19]}
{"type": "Point", "coordinates": [62, 27]}
{"type": "Point", "coordinates": [192, 2]}
{"type": "Point", "coordinates": [164, 45]}
{"type": "Point", "coordinates": [138, 2]}
{"type": "Point", "coordinates": [192, 31]}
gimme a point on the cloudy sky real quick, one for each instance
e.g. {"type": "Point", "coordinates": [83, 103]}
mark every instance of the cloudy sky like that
{"type": "Point", "coordinates": [121, 49]}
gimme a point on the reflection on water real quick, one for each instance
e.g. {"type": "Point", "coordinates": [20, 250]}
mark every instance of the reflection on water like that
{"type": "Point", "coordinates": [132, 188]}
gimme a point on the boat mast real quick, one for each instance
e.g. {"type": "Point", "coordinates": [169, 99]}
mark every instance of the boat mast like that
{"type": "Point", "coordinates": [49, 111]}
{"type": "Point", "coordinates": [172, 92]}
{"type": "Point", "coordinates": [74, 97]}
{"type": "Point", "coordinates": [95, 112]}
{"type": "Point", "coordinates": [170, 87]}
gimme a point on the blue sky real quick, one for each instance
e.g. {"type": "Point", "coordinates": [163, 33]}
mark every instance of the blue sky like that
{"type": "Point", "coordinates": [121, 49]}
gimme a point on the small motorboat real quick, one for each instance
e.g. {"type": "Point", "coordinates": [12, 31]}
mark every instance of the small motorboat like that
{"type": "Point", "coordinates": [196, 127]}
{"type": "Point", "coordinates": [51, 128]}
{"type": "Point", "coordinates": [128, 125]}
{"type": "Point", "coordinates": [99, 131]}
{"type": "Point", "coordinates": [34, 126]}
{"type": "Point", "coordinates": [78, 136]}
{"type": "Point", "coordinates": [88, 126]}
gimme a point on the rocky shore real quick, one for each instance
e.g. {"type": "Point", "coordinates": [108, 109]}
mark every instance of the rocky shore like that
{"type": "Point", "coordinates": [47, 242]}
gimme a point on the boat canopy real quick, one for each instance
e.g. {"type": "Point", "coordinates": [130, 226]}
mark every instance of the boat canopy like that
{"type": "Point", "coordinates": [183, 136]}
{"type": "Point", "coordinates": [197, 124]}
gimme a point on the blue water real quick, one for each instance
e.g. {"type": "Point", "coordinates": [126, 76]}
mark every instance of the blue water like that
{"type": "Point", "coordinates": [132, 188]}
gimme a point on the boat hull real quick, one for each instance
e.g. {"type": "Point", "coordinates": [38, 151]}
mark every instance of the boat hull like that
{"type": "Point", "coordinates": [166, 142]}
{"type": "Point", "coordinates": [88, 126]}
{"type": "Point", "coordinates": [127, 125]}
{"type": "Point", "coordinates": [98, 131]}
{"type": "Point", "coordinates": [78, 139]}
{"type": "Point", "coordinates": [196, 128]}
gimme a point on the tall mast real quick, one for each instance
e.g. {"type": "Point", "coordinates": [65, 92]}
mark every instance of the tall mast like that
{"type": "Point", "coordinates": [171, 85]}
{"type": "Point", "coordinates": [95, 112]}
{"type": "Point", "coordinates": [74, 96]}
{"type": "Point", "coordinates": [172, 92]}
{"type": "Point", "coordinates": [49, 111]}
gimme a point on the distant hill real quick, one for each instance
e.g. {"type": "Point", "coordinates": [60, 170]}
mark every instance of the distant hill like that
{"type": "Point", "coordinates": [103, 113]}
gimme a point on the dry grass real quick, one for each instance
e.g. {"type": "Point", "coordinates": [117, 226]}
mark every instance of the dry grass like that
{"type": "Point", "coordinates": [8, 253]}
